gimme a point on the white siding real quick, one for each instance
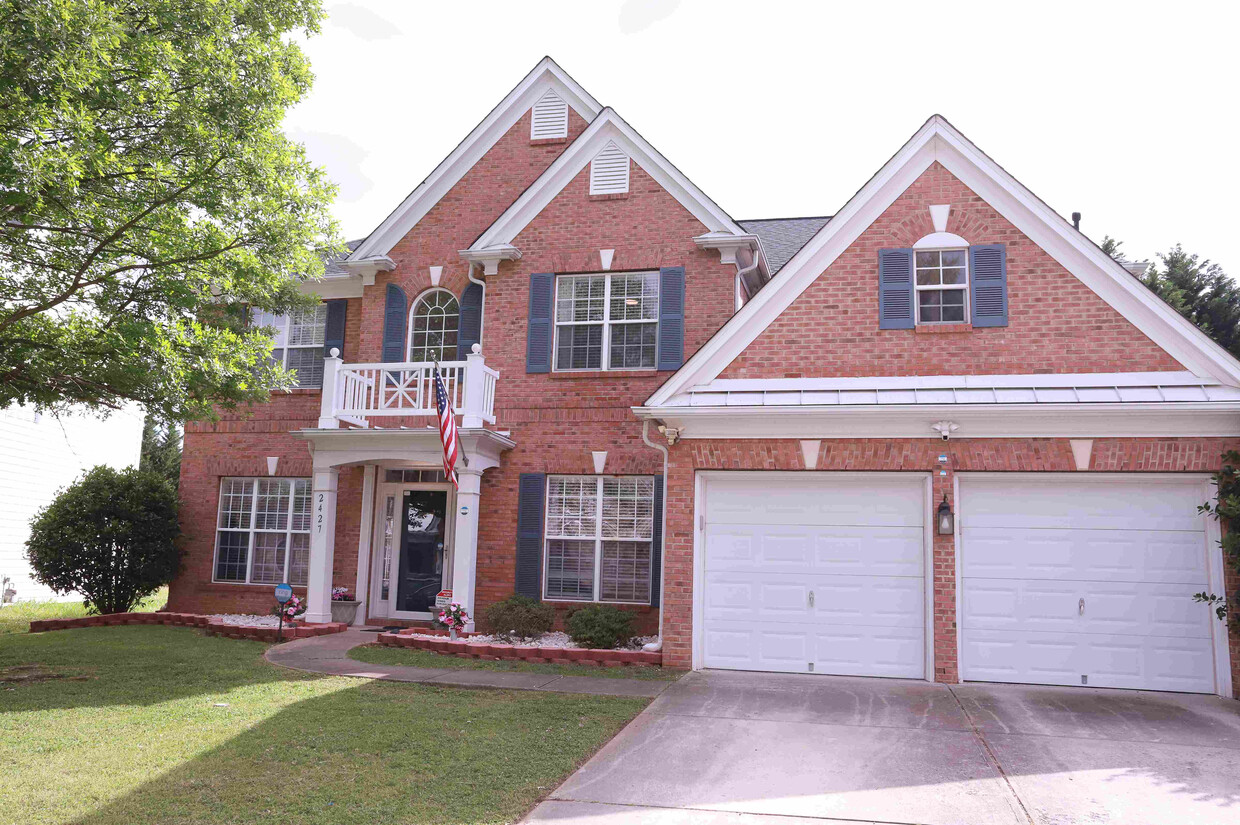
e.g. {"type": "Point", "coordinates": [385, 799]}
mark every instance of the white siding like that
{"type": "Point", "coordinates": [39, 455]}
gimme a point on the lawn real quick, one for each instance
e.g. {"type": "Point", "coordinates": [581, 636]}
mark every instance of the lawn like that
{"type": "Point", "coordinates": [16, 618]}
{"type": "Point", "coordinates": [132, 725]}
{"type": "Point", "coordinates": [380, 655]}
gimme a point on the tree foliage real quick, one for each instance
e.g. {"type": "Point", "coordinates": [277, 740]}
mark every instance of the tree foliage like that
{"type": "Point", "coordinates": [1200, 291]}
{"type": "Point", "coordinates": [111, 536]}
{"type": "Point", "coordinates": [148, 197]}
{"type": "Point", "coordinates": [161, 450]}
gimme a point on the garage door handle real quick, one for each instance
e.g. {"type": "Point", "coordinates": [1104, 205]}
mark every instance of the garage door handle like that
{"type": "Point", "coordinates": [1080, 608]}
{"type": "Point", "coordinates": [811, 598]}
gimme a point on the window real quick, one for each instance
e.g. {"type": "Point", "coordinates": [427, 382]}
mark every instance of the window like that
{"type": "Point", "coordinates": [432, 327]}
{"type": "Point", "coordinates": [942, 286]}
{"type": "Point", "coordinates": [608, 322]}
{"type": "Point", "coordinates": [297, 342]}
{"type": "Point", "coordinates": [263, 532]}
{"type": "Point", "coordinates": [599, 535]}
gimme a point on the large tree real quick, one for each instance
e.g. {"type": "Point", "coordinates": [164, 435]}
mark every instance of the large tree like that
{"type": "Point", "coordinates": [148, 199]}
{"type": "Point", "coordinates": [161, 450]}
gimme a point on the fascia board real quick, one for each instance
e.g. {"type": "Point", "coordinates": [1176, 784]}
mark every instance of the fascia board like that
{"type": "Point", "coordinates": [546, 75]}
{"type": "Point", "coordinates": [349, 286]}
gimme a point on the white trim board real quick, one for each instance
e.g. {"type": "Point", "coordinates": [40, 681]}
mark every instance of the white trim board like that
{"type": "Point", "coordinates": [937, 140]}
{"type": "Point", "coordinates": [546, 75]}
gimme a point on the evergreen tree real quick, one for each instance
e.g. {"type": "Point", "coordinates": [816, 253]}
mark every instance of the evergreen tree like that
{"type": "Point", "coordinates": [161, 450]}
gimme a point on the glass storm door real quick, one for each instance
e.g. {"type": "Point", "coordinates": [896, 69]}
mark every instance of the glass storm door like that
{"type": "Point", "coordinates": [422, 536]}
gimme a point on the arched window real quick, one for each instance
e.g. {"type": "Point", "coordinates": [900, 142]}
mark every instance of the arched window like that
{"type": "Point", "coordinates": [433, 326]}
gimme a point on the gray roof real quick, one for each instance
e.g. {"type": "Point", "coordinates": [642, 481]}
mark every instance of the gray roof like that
{"type": "Point", "coordinates": [333, 263]}
{"type": "Point", "coordinates": [783, 237]}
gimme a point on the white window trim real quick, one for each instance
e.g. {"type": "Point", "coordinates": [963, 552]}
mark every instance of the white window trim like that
{"type": "Point", "coordinates": [413, 308]}
{"type": "Point", "coordinates": [918, 288]}
{"type": "Point", "coordinates": [598, 544]}
{"type": "Point", "coordinates": [289, 532]}
{"type": "Point", "coordinates": [605, 360]}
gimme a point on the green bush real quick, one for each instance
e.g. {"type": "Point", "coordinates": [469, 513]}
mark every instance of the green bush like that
{"type": "Point", "coordinates": [111, 536]}
{"type": "Point", "coordinates": [519, 617]}
{"type": "Point", "coordinates": [600, 626]}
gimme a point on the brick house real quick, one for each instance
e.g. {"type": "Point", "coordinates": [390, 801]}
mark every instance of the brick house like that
{"type": "Point", "coordinates": [940, 435]}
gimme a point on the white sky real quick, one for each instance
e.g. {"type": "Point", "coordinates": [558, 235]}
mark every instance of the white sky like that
{"type": "Point", "coordinates": [1125, 112]}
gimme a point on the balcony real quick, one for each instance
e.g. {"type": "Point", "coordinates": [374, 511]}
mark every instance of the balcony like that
{"type": "Point", "coordinates": [355, 394]}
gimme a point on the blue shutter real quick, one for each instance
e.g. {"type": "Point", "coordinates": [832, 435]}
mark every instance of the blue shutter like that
{"type": "Point", "coordinates": [333, 334]}
{"type": "Point", "coordinates": [538, 329]}
{"type": "Point", "coordinates": [671, 317]}
{"type": "Point", "coordinates": [988, 285]}
{"type": "Point", "coordinates": [395, 319]}
{"type": "Point", "coordinates": [895, 289]}
{"type": "Point", "coordinates": [531, 495]}
{"type": "Point", "coordinates": [656, 546]}
{"type": "Point", "coordinates": [469, 328]}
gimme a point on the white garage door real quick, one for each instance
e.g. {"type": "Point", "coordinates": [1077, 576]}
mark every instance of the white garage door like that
{"type": "Point", "coordinates": [1070, 582]}
{"type": "Point", "coordinates": [816, 573]}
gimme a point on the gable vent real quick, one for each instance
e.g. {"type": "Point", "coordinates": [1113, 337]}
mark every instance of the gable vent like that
{"type": "Point", "coordinates": [609, 171]}
{"type": "Point", "coordinates": [550, 118]}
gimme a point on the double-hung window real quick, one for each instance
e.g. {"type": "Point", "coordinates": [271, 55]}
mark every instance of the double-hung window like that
{"type": "Point", "coordinates": [599, 537]}
{"type": "Point", "coordinates": [263, 532]}
{"type": "Point", "coordinates": [942, 286]}
{"type": "Point", "coordinates": [607, 321]}
{"type": "Point", "coordinates": [297, 343]}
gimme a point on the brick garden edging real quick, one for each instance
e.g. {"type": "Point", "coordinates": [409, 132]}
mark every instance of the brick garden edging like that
{"type": "Point", "coordinates": [538, 655]}
{"type": "Point", "coordinates": [232, 631]}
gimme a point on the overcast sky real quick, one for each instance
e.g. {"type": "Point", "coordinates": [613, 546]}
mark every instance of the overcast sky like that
{"type": "Point", "coordinates": [1126, 112]}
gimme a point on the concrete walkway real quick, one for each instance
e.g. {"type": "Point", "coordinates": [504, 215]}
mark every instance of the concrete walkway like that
{"type": "Point", "coordinates": [721, 748]}
{"type": "Point", "coordinates": [329, 655]}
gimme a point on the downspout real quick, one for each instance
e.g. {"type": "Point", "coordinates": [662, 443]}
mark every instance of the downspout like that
{"type": "Point", "coordinates": [657, 646]}
{"type": "Point", "coordinates": [740, 273]}
{"type": "Point", "coordinates": [482, 314]}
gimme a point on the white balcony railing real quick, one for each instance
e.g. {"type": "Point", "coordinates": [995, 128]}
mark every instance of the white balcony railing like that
{"type": "Point", "coordinates": [355, 393]}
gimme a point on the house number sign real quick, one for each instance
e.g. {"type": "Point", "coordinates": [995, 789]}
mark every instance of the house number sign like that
{"type": "Point", "coordinates": [319, 512]}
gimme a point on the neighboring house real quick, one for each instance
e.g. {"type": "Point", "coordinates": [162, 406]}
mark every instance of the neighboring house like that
{"type": "Point", "coordinates": [42, 453]}
{"type": "Point", "coordinates": [741, 431]}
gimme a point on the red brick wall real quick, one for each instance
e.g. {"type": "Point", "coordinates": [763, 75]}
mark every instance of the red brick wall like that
{"type": "Point", "coordinates": [1136, 455]}
{"type": "Point", "coordinates": [1055, 323]}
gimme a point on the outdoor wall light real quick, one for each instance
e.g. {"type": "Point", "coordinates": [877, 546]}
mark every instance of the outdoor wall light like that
{"type": "Point", "coordinates": [947, 522]}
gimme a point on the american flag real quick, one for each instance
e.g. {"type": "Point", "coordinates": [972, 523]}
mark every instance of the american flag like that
{"type": "Point", "coordinates": [447, 428]}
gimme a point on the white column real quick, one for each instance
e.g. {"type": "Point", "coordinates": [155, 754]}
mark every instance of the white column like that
{"type": "Point", "coordinates": [362, 594]}
{"type": "Point", "coordinates": [322, 546]}
{"type": "Point", "coordinates": [327, 402]}
{"type": "Point", "coordinates": [475, 389]}
{"type": "Point", "coordinates": [465, 539]}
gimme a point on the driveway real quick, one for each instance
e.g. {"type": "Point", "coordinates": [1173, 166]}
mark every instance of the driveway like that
{"type": "Point", "coordinates": [723, 748]}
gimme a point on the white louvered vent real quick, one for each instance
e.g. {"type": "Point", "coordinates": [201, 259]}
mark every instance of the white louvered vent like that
{"type": "Point", "coordinates": [550, 118]}
{"type": "Point", "coordinates": [609, 171]}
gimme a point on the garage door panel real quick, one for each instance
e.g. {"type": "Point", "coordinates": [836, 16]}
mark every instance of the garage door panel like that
{"type": "Point", "coordinates": [995, 604]}
{"type": "Point", "coordinates": [1129, 555]}
{"type": "Point", "coordinates": [1061, 503]}
{"type": "Point", "coordinates": [816, 501]}
{"type": "Point", "coordinates": [887, 551]}
{"type": "Point", "coordinates": [871, 651]}
{"type": "Point", "coordinates": [743, 597]}
{"type": "Point", "coordinates": [878, 551]}
{"type": "Point", "coordinates": [869, 600]}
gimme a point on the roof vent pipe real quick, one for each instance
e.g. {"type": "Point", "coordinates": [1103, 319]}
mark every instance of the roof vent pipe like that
{"type": "Point", "coordinates": [1076, 221]}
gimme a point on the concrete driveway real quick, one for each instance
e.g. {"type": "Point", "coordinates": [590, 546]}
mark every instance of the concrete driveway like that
{"type": "Point", "coordinates": [723, 748]}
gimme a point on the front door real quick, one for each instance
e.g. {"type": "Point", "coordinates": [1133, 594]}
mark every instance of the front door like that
{"type": "Point", "coordinates": [422, 538]}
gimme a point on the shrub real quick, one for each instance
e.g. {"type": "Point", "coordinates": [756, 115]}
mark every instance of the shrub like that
{"type": "Point", "coordinates": [600, 626]}
{"type": "Point", "coordinates": [519, 617]}
{"type": "Point", "coordinates": [111, 536]}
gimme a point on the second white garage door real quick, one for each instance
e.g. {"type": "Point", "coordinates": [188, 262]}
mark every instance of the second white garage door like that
{"type": "Point", "coordinates": [815, 573]}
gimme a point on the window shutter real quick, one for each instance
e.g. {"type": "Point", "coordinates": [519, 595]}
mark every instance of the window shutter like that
{"type": "Point", "coordinates": [895, 289]}
{"type": "Point", "coordinates": [988, 287]}
{"type": "Point", "coordinates": [656, 546]}
{"type": "Point", "coordinates": [469, 330]}
{"type": "Point", "coordinates": [549, 118]}
{"type": "Point", "coordinates": [538, 330]}
{"type": "Point", "coordinates": [671, 317]}
{"type": "Point", "coordinates": [333, 333]}
{"type": "Point", "coordinates": [609, 171]}
{"type": "Point", "coordinates": [531, 495]}
{"type": "Point", "coordinates": [395, 319]}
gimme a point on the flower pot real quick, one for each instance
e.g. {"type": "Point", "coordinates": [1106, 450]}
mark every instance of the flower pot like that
{"type": "Point", "coordinates": [344, 611]}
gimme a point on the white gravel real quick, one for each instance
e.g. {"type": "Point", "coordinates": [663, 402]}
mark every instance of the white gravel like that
{"type": "Point", "coordinates": [246, 619]}
{"type": "Point", "coordinates": [556, 638]}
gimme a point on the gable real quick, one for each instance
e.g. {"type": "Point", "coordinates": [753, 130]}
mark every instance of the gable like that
{"type": "Point", "coordinates": [1056, 324]}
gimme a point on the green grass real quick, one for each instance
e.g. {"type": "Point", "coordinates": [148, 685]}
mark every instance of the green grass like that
{"type": "Point", "coordinates": [133, 725]}
{"type": "Point", "coordinates": [380, 655]}
{"type": "Point", "coordinates": [16, 618]}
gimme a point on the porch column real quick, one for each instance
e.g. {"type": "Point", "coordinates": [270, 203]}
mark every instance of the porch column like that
{"type": "Point", "coordinates": [465, 539]}
{"type": "Point", "coordinates": [322, 546]}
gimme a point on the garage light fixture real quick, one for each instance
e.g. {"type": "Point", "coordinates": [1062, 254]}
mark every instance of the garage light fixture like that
{"type": "Point", "coordinates": [947, 522]}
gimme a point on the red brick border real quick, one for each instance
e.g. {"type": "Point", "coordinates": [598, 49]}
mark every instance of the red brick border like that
{"type": "Point", "coordinates": [259, 634]}
{"type": "Point", "coordinates": [540, 655]}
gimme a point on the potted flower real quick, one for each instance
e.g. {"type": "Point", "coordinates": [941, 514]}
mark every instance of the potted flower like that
{"type": "Point", "coordinates": [454, 617]}
{"type": "Point", "coordinates": [344, 607]}
{"type": "Point", "coordinates": [291, 609]}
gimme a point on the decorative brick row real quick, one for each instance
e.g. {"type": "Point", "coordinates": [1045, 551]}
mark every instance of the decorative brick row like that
{"type": "Point", "coordinates": [537, 655]}
{"type": "Point", "coordinates": [302, 630]}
